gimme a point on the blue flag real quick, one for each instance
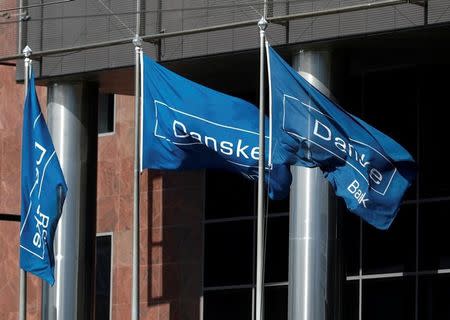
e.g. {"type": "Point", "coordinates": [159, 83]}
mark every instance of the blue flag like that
{"type": "Point", "coordinates": [368, 169]}
{"type": "Point", "coordinates": [189, 126]}
{"type": "Point", "coordinates": [42, 186]}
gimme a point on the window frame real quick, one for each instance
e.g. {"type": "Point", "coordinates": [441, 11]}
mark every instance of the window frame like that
{"type": "Point", "coordinates": [104, 134]}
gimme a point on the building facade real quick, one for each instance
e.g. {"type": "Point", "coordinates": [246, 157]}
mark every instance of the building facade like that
{"type": "Point", "coordinates": [388, 66]}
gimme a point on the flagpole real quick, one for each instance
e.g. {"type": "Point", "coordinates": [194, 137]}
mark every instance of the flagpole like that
{"type": "Point", "coordinates": [23, 275]}
{"type": "Point", "coordinates": [135, 262]}
{"type": "Point", "coordinates": [259, 306]}
{"type": "Point", "coordinates": [137, 41]}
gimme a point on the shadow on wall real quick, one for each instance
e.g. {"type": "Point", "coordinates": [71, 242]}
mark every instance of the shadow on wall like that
{"type": "Point", "coordinates": [175, 244]}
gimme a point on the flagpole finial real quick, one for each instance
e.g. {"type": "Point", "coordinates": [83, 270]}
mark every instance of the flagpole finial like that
{"type": "Point", "coordinates": [262, 24]}
{"type": "Point", "coordinates": [27, 52]}
{"type": "Point", "coordinates": [137, 41]}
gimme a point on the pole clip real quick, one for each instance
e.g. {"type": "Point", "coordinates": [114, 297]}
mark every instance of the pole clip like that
{"type": "Point", "coordinates": [262, 24]}
{"type": "Point", "coordinates": [137, 41]}
{"type": "Point", "coordinates": [27, 52]}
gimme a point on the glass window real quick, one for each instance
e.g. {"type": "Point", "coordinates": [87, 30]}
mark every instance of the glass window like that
{"type": "Point", "coordinates": [278, 206]}
{"type": "Point", "coordinates": [103, 277]}
{"type": "Point", "coordinates": [229, 249]}
{"type": "Point", "coordinates": [230, 304]}
{"type": "Point", "coordinates": [351, 239]}
{"type": "Point", "coordinates": [434, 133]}
{"type": "Point", "coordinates": [388, 299]}
{"type": "Point", "coordinates": [349, 92]}
{"type": "Point", "coordinates": [390, 105]}
{"type": "Point", "coordinates": [434, 240]}
{"type": "Point", "coordinates": [105, 113]}
{"type": "Point", "coordinates": [390, 99]}
{"type": "Point", "coordinates": [350, 301]}
{"type": "Point", "coordinates": [277, 250]}
{"type": "Point", "coordinates": [391, 250]}
{"type": "Point", "coordinates": [434, 293]}
{"type": "Point", "coordinates": [228, 253]}
{"type": "Point", "coordinates": [228, 195]}
{"type": "Point", "coordinates": [9, 217]}
{"type": "Point", "coordinates": [276, 303]}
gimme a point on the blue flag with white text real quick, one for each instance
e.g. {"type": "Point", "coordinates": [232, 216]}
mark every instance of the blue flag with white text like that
{"type": "Point", "coordinates": [189, 126]}
{"type": "Point", "coordinates": [368, 169]}
{"type": "Point", "coordinates": [42, 185]}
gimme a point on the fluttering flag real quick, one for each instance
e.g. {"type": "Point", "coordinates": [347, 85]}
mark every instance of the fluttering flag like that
{"type": "Point", "coordinates": [43, 191]}
{"type": "Point", "coordinates": [189, 126]}
{"type": "Point", "coordinates": [368, 169]}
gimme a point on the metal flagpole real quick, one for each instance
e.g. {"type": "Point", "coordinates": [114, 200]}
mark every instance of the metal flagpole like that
{"type": "Point", "coordinates": [23, 275]}
{"type": "Point", "coordinates": [135, 281]}
{"type": "Point", "coordinates": [262, 24]}
{"type": "Point", "coordinates": [137, 41]}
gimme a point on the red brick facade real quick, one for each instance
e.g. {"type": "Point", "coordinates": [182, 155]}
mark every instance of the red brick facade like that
{"type": "Point", "coordinates": [170, 228]}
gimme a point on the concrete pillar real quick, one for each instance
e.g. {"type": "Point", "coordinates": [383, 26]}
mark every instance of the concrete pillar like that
{"type": "Point", "coordinates": [313, 269]}
{"type": "Point", "coordinates": [72, 121]}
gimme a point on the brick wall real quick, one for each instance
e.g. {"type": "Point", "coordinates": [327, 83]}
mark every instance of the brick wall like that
{"type": "Point", "coordinates": [170, 228]}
